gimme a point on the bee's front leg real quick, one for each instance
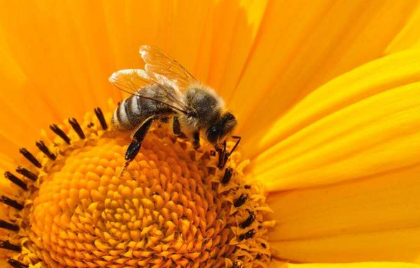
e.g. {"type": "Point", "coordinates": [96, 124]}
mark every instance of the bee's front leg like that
{"type": "Point", "coordinates": [222, 155]}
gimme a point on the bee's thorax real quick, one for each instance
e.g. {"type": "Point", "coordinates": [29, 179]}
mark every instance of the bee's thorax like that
{"type": "Point", "coordinates": [205, 103]}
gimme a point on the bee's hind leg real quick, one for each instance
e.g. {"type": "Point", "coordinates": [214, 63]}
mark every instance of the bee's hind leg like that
{"type": "Point", "coordinates": [137, 138]}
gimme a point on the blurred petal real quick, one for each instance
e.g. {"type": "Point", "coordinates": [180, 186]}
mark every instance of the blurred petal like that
{"type": "Point", "coordinates": [277, 264]}
{"type": "Point", "coordinates": [57, 56]}
{"type": "Point", "coordinates": [362, 123]}
{"type": "Point", "coordinates": [233, 39]}
{"type": "Point", "coordinates": [17, 105]}
{"type": "Point", "coordinates": [408, 37]}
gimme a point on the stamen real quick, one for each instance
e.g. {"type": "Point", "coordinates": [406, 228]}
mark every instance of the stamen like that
{"type": "Point", "coordinates": [60, 133]}
{"type": "Point", "coordinates": [241, 200]}
{"type": "Point", "coordinates": [76, 126]}
{"type": "Point", "coordinates": [41, 145]}
{"type": "Point", "coordinates": [101, 118]}
{"type": "Point", "coordinates": [227, 175]}
{"type": "Point", "coordinates": [28, 174]}
{"type": "Point", "coordinates": [8, 226]}
{"type": "Point", "coordinates": [9, 246]}
{"type": "Point", "coordinates": [30, 157]}
{"type": "Point", "coordinates": [17, 264]}
{"type": "Point", "coordinates": [15, 180]}
{"type": "Point", "coordinates": [10, 202]}
{"type": "Point", "coordinates": [247, 235]}
{"type": "Point", "coordinates": [246, 223]}
{"type": "Point", "coordinates": [237, 265]}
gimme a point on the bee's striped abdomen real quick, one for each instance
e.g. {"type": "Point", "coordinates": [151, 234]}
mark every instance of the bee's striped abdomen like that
{"type": "Point", "coordinates": [132, 111]}
{"type": "Point", "coordinates": [128, 113]}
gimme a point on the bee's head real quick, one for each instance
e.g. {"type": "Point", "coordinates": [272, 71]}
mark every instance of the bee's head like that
{"type": "Point", "coordinates": [217, 131]}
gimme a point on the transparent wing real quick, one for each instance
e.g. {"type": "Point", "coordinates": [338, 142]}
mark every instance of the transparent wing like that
{"type": "Point", "coordinates": [133, 81]}
{"type": "Point", "coordinates": [164, 69]}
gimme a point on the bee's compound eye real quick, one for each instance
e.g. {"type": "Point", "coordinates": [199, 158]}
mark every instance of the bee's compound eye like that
{"type": "Point", "coordinates": [212, 134]}
{"type": "Point", "coordinates": [213, 130]}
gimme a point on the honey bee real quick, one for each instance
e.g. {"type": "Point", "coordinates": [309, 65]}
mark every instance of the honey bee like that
{"type": "Point", "coordinates": [166, 90]}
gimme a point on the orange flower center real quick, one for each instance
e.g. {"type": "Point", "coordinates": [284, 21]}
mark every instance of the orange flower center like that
{"type": "Point", "coordinates": [172, 207]}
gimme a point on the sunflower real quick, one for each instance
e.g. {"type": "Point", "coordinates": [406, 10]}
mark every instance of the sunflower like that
{"type": "Point", "coordinates": [327, 98]}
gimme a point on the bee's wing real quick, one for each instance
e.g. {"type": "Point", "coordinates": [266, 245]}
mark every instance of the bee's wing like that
{"type": "Point", "coordinates": [164, 69]}
{"type": "Point", "coordinates": [133, 80]}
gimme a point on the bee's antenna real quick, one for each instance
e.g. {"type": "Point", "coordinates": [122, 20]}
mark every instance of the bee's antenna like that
{"type": "Point", "coordinates": [223, 154]}
{"type": "Point", "coordinates": [237, 143]}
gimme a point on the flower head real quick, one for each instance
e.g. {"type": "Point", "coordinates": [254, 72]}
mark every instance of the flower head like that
{"type": "Point", "coordinates": [326, 97]}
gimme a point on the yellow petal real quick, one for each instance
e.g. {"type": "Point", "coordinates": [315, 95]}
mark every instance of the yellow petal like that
{"type": "Point", "coordinates": [278, 264]}
{"type": "Point", "coordinates": [362, 123]}
{"type": "Point", "coordinates": [298, 49]}
{"type": "Point", "coordinates": [371, 219]}
{"type": "Point", "coordinates": [397, 245]}
{"type": "Point", "coordinates": [383, 202]}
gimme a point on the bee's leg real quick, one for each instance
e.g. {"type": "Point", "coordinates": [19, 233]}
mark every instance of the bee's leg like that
{"type": "Point", "coordinates": [196, 139]}
{"type": "Point", "coordinates": [222, 156]}
{"type": "Point", "coordinates": [137, 138]}
{"type": "Point", "coordinates": [176, 128]}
